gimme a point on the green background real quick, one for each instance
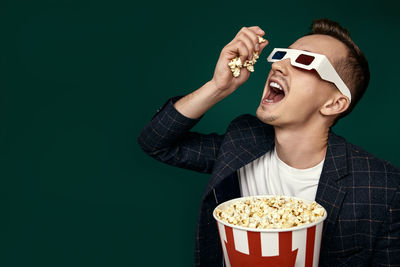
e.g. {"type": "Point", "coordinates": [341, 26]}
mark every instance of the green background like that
{"type": "Point", "coordinates": [80, 79]}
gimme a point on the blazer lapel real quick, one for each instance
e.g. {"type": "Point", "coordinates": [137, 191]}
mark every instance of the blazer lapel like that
{"type": "Point", "coordinates": [329, 193]}
{"type": "Point", "coordinates": [241, 149]}
{"type": "Point", "coordinates": [226, 179]}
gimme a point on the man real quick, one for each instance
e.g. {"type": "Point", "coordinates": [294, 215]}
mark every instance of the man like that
{"type": "Point", "coordinates": [289, 148]}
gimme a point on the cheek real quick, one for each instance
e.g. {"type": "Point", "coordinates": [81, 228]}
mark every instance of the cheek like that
{"type": "Point", "coordinates": [306, 89]}
{"type": "Point", "coordinates": [307, 81]}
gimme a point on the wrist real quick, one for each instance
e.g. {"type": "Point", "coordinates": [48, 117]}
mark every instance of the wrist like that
{"type": "Point", "coordinates": [216, 93]}
{"type": "Point", "coordinates": [195, 104]}
{"type": "Point", "coordinates": [212, 91]}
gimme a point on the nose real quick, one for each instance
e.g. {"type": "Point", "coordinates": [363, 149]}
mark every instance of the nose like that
{"type": "Point", "coordinates": [281, 66]}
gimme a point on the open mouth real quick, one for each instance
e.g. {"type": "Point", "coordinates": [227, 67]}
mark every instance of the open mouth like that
{"type": "Point", "coordinates": [275, 93]}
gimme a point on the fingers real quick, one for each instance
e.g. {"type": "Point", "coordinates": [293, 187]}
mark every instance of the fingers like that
{"type": "Point", "coordinates": [242, 50]}
{"type": "Point", "coordinates": [257, 30]}
{"type": "Point", "coordinates": [253, 33]}
{"type": "Point", "coordinates": [250, 38]}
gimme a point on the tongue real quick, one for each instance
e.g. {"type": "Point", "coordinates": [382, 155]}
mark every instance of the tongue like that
{"type": "Point", "coordinates": [278, 97]}
{"type": "Point", "coordinates": [275, 97]}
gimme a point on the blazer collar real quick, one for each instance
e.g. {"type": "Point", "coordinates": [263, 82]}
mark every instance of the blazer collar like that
{"type": "Point", "coordinates": [336, 157]}
{"type": "Point", "coordinates": [240, 153]}
{"type": "Point", "coordinates": [329, 193]}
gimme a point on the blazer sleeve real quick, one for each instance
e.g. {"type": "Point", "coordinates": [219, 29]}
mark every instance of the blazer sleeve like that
{"type": "Point", "coordinates": [387, 249]}
{"type": "Point", "coordinates": [167, 138]}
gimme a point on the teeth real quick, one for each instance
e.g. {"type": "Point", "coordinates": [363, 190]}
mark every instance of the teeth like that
{"type": "Point", "coordinates": [275, 85]}
{"type": "Point", "coordinates": [269, 101]}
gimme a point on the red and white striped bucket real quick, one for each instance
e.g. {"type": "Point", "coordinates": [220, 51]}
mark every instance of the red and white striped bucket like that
{"type": "Point", "coordinates": [292, 247]}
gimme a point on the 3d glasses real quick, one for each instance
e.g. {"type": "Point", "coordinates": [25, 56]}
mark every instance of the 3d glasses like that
{"type": "Point", "coordinates": [307, 60]}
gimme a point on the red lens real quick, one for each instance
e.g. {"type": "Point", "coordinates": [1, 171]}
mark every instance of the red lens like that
{"type": "Point", "coordinates": [305, 59]}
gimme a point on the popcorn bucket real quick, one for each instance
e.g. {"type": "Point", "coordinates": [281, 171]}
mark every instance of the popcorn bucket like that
{"type": "Point", "coordinates": [295, 247]}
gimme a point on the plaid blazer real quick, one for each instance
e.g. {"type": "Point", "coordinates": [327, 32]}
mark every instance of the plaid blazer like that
{"type": "Point", "coordinates": [359, 191]}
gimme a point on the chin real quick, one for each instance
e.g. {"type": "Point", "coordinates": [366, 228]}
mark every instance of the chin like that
{"type": "Point", "coordinates": [266, 117]}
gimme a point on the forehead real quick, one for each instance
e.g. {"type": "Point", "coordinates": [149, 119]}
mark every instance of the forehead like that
{"type": "Point", "coordinates": [321, 44]}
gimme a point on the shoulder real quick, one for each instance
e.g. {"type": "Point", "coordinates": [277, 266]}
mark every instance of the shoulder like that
{"type": "Point", "coordinates": [369, 171]}
{"type": "Point", "coordinates": [369, 181]}
{"type": "Point", "coordinates": [375, 164]}
{"type": "Point", "coordinates": [357, 155]}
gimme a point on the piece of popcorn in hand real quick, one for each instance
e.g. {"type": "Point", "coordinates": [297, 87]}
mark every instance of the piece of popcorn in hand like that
{"type": "Point", "coordinates": [236, 72]}
{"type": "Point", "coordinates": [249, 64]}
{"type": "Point", "coordinates": [260, 39]}
{"type": "Point", "coordinates": [250, 68]}
{"type": "Point", "coordinates": [235, 63]}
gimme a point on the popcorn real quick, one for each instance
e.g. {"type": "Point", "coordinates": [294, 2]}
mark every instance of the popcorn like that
{"type": "Point", "coordinates": [275, 212]}
{"type": "Point", "coordinates": [236, 64]}
{"type": "Point", "coordinates": [260, 39]}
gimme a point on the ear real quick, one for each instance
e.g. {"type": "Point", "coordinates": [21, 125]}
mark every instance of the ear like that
{"type": "Point", "coordinates": [335, 105]}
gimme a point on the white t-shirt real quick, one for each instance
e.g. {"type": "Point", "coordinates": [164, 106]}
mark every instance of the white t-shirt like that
{"type": "Point", "coordinates": [268, 175]}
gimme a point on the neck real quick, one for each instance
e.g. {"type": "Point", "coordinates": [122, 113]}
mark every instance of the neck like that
{"type": "Point", "coordinates": [301, 148]}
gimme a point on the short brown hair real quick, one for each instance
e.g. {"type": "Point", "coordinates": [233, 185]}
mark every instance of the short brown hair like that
{"type": "Point", "coordinates": [353, 69]}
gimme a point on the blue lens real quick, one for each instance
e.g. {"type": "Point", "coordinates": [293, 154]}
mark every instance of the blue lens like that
{"type": "Point", "coordinates": [279, 55]}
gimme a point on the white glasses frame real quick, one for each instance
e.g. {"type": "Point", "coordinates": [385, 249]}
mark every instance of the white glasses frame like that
{"type": "Point", "coordinates": [320, 63]}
